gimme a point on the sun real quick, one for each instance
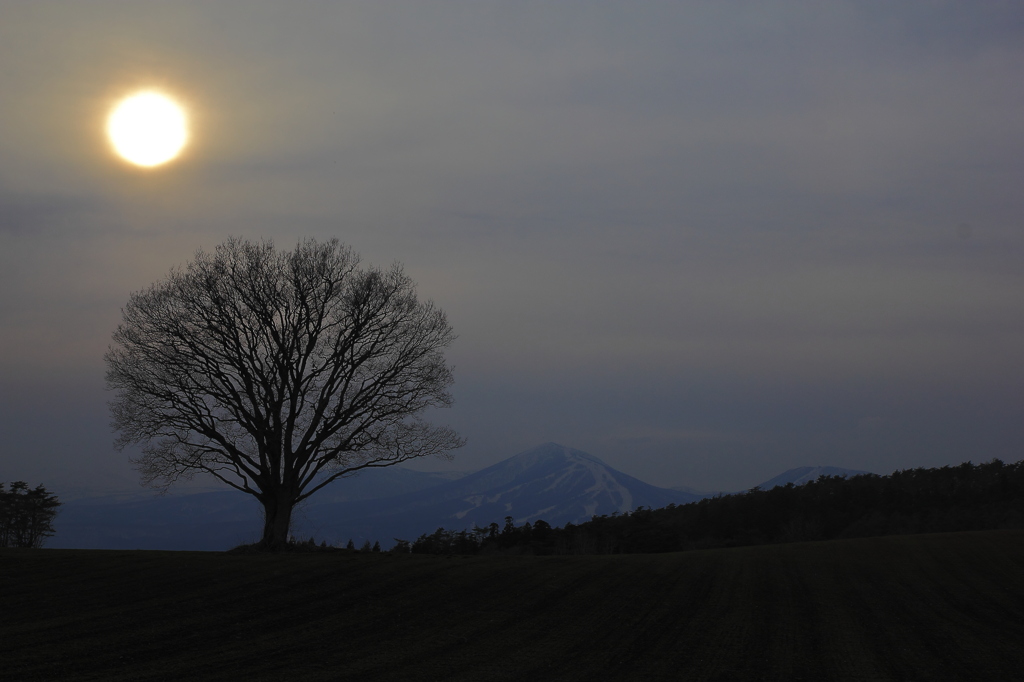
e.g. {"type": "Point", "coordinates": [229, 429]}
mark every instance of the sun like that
{"type": "Point", "coordinates": [147, 129]}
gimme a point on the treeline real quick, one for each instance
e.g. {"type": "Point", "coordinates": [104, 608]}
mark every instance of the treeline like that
{"type": "Point", "coordinates": [26, 515]}
{"type": "Point", "coordinates": [536, 538]}
{"type": "Point", "coordinates": [965, 497]}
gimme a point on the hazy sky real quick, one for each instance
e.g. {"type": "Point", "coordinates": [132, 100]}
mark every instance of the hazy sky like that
{"type": "Point", "coordinates": [706, 242]}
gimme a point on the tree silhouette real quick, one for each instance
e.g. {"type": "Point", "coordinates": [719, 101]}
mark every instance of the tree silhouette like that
{"type": "Point", "coordinates": [26, 515]}
{"type": "Point", "coordinates": [278, 372]}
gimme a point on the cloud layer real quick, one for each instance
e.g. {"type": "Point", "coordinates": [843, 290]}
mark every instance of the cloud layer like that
{"type": "Point", "coordinates": [704, 242]}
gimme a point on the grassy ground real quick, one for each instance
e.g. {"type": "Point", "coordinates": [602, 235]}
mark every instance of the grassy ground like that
{"type": "Point", "coordinates": [929, 607]}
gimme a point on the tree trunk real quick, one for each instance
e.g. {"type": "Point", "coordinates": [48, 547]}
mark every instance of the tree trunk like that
{"type": "Point", "coordinates": [277, 519]}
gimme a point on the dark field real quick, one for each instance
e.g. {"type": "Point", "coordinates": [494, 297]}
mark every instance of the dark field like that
{"type": "Point", "coordinates": [927, 607]}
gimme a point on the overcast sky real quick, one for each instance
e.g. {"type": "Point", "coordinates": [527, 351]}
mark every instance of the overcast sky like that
{"type": "Point", "coordinates": [706, 242]}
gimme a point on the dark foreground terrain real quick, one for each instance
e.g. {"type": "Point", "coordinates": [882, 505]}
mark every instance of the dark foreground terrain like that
{"type": "Point", "coordinates": [926, 607]}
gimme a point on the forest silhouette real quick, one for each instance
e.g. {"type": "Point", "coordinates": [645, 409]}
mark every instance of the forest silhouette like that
{"type": "Point", "coordinates": [961, 498]}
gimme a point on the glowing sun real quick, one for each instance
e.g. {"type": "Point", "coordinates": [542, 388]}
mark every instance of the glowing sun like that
{"type": "Point", "coordinates": [147, 129]}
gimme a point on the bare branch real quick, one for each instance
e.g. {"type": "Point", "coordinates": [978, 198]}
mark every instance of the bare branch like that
{"type": "Point", "coordinates": [278, 372]}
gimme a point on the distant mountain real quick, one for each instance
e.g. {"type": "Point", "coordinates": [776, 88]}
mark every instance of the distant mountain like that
{"type": "Point", "coordinates": [797, 476]}
{"type": "Point", "coordinates": [201, 521]}
{"type": "Point", "coordinates": [208, 520]}
{"type": "Point", "coordinates": [802, 475]}
{"type": "Point", "coordinates": [551, 482]}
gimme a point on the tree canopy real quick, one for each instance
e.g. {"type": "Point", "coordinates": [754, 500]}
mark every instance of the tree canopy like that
{"type": "Point", "coordinates": [279, 372]}
{"type": "Point", "coordinates": [26, 515]}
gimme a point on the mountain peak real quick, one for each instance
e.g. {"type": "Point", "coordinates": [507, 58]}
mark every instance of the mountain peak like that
{"type": "Point", "coordinates": [546, 454]}
{"type": "Point", "coordinates": [801, 475]}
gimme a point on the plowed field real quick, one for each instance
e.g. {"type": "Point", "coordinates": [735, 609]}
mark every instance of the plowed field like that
{"type": "Point", "coordinates": [927, 607]}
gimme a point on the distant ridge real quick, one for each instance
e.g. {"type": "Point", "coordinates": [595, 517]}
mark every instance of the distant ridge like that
{"type": "Point", "coordinates": [551, 482]}
{"type": "Point", "coordinates": [797, 476]}
{"type": "Point", "coordinates": [802, 475]}
{"type": "Point", "coordinates": [208, 520]}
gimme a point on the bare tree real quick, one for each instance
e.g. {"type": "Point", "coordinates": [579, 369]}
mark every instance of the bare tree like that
{"type": "Point", "coordinates": [278, 372]}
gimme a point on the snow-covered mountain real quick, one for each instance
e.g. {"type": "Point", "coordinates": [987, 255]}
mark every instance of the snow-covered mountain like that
{"type": "Point", "coordinates": [802, 475]}
{"type": "Point", "coordinates": [551, 482]}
